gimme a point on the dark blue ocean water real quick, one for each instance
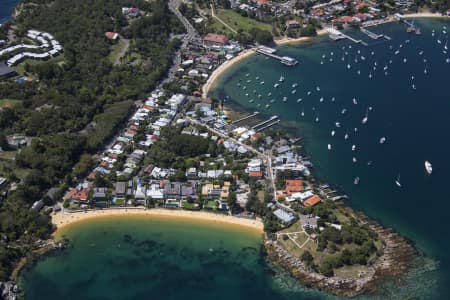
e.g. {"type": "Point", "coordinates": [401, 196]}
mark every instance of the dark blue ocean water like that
{"type": "Point", "coordinates": [404, 84]}
{"type": "Point", "coordinates": [6, 9]}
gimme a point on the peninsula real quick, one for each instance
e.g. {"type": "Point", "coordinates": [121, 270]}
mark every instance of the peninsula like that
{"type": "Point", "coordinates": [111, 116]}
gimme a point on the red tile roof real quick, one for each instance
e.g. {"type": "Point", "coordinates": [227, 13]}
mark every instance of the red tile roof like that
{"type": "Point", "coordinates": [312, 201]}
{"type": "Point", "coordinates": [111, 35]}
{"type": "Point", "coordinates": [216, 38]}
{"type": "Point", "coordinates": [255, 173]}
{"type": "Point", "coordinates": [80, 195]}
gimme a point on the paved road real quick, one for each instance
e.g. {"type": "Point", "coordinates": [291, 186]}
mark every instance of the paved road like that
{"type": "Point", "coordinates": [190, 35]}
{"type": "Point", "coordinates": [266, 157]}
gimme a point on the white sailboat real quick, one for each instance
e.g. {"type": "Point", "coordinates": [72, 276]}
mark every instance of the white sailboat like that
{"type": "Point", "coordinates": [337, 124]}
{"type": "Point", "coordinates": [382, 140]}
{"type": "Point", "coordinates": [366, 117]}
{"type": "Point", "coordinates": [353, 147]}
{"type": "Point", "coordinates": [428, 167]}
{"type": "Point", "coordinates": [354, 101]}
{"type": "Point", "coordinates": [281, 78]}
{"type": "Point", "coordinates": [303, 113]}
{"type": "Point", "coordinates": [333, 132]}
{"type": "Point", "coordinates": [329, 146]}
{"type": "Point", "coordinates": [397, 181]}
{"type": "Point", "coordinates": [356, 181]}
{"type": "Point", "coordinates": [354, 160]}
{"type": "Point", "coordinates": [346, 136]}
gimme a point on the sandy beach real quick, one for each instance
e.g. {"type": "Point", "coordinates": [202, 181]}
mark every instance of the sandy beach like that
{"type": "Point", "coordinates": [223, 67]}
{"type": "Point", "coordinates": [285, 41]}
{"type": "Point", "coordinates": [425, 15]}
{"type": "Point", "coordinates": [63, 219]}
{"type": "Point", "coordinates": [246, 53]}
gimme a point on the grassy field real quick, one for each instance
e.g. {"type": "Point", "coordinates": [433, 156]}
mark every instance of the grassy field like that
{"type": "Point", "coordinates": [236, 21]}
{"type": "Point", "coordinates": [9, 103]}
{"type": "Point", "coordinates": [116, 49]}
{"type": "Point", "coordinates": [20, 68]}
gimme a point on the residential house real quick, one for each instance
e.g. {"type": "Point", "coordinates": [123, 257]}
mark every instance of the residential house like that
{"type": "Point", "coordinates": [155, 191]}
{"type": "Point", "coordinates": [290, 24]}
{"type": "Point", "coordinates": [121, 188]}
{"type": "Point", "coordinates": [80, 193]}
{"type": "Point", "coordinates": [172, 190]}
{"type": "Point", "coordinates": [99, 196]}
{"type": "Point", "coordinates": [215, 40]}
{"type": "Point", "coordinates": [140, 194]}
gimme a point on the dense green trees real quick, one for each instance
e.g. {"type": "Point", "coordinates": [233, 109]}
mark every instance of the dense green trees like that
{"type": "Point", "coordinates": [79, 101]}
{"type": "Point", "coordinates": [173, 144]}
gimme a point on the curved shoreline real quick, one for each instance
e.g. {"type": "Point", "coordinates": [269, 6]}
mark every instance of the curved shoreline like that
{"type": "Point", "coordinates": [246, 53]}
{"type": "Point", "coordinates": [65, 219]}
{"type": "Point", "coordinates": [212, 80]}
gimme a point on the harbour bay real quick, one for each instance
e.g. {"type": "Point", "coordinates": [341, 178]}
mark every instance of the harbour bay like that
{"type": "Point", "coordinates": [136, 258]}
{"type": "Point", "coordinates": [407, 106]}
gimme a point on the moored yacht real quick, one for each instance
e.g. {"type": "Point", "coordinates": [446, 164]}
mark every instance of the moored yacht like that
{"type": "Point", "coordinates": [428, 167]}
{"type": "Point", "coordinates": [397, 181]}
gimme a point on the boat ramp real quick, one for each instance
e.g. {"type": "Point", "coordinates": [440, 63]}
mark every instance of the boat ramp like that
{"type": "Point", "coordinates": [270, 52]}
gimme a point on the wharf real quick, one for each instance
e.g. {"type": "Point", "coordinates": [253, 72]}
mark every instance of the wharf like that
{"type": "Point", "coordinates": [371, 34]}
{"type": "Point", "coordinates": [334, 33]}
{"type": "Point", "coordinates": [268, 125]}
{"type": "Point", "coordinates": [264, 123]}
{"type": "Point", "coordinates": [270, 52]}
{"type": "Point", "coordinates": [245, 118]}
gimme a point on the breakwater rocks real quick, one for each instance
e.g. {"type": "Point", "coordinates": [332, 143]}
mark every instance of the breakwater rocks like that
{"type": "Point", "coordinates": [398, 254]}
{"type": "Point", "coordinates": [9, 290]}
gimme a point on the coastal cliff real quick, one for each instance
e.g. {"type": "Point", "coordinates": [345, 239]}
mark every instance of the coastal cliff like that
{"type": "Point", "coordinates": [398, 254]}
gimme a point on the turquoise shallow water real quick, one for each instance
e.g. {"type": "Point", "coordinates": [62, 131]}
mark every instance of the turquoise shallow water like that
{"type": "Point", "coordinates": [159, 258]}
{"type": "Point", "coordinates": [412, 118]}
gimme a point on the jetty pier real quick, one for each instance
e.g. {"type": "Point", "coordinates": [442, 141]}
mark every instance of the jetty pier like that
{"type": "Point", "coordinates": [270, 52]}
{"type": "Point", "coordinates": [336, 34]}
{"type": "Point", "coordinates": [245, 118]}
{"type": "Point", "coordinates": [267, 123]}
